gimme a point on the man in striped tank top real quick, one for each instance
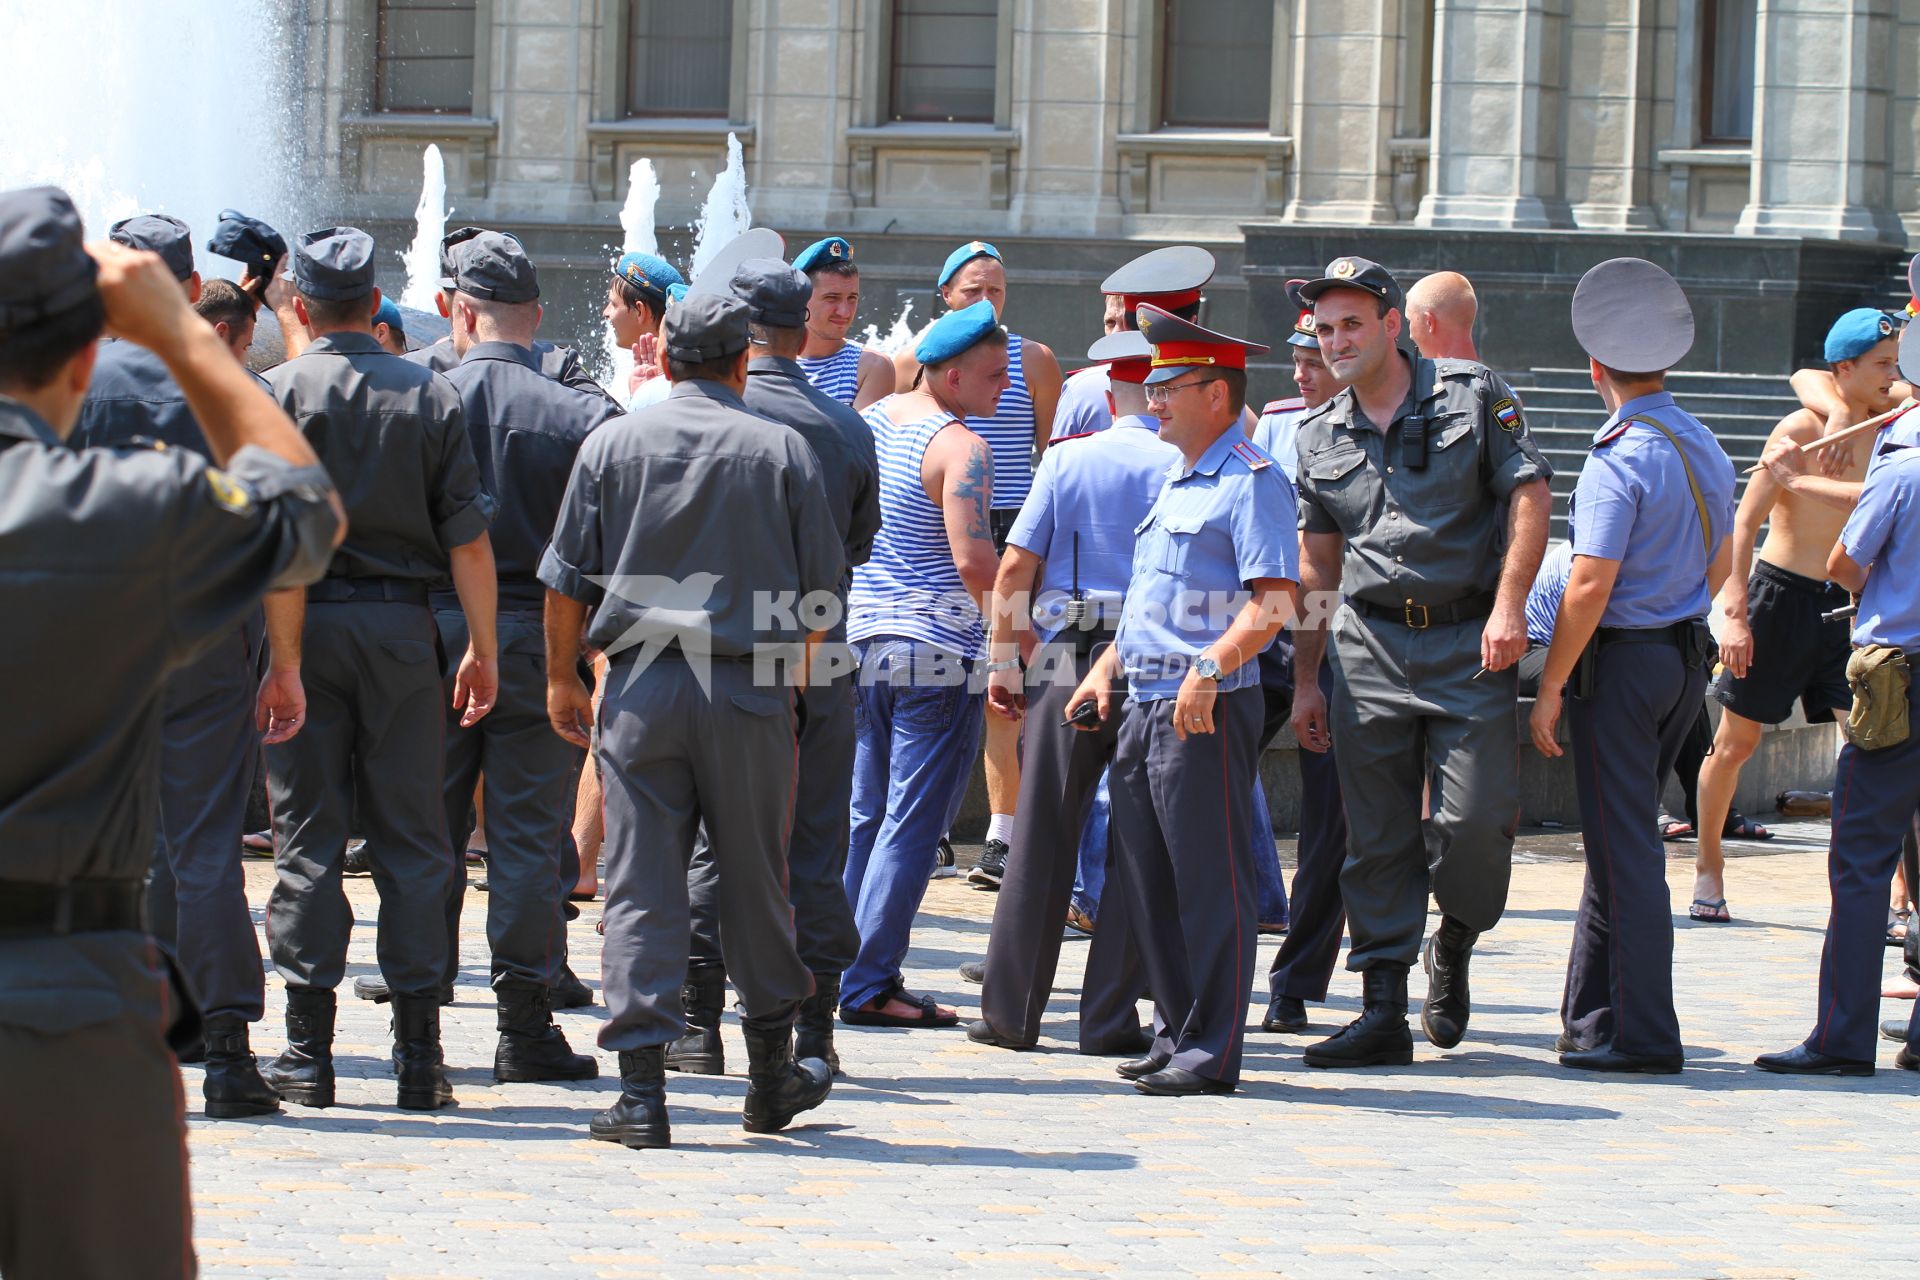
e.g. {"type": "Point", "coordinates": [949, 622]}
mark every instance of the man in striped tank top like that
{"type": "Point", "coordinates": [1016, 430]}
{"type": "Point", "coordinates": [849, 372]}
{"type": "Point", "coordinates": [914, 621]}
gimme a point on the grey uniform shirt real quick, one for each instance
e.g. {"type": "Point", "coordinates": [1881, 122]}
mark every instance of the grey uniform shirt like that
{"type": "Point", "coordinates": [678, 516]}
{"type": "Point", "coordinates": [562, 364]}
{"type": "Point", "coordinates": [133, 397]}
{"type": "Point", "coordinates": [116, 566]}
{"type": "Point", "coordinates": [1430, 535]}
{"type": "Point", "coordinates": [526, 430]}
{"type": "Point", "coordinates": [841, 440]}
{"type": "Point", "coordinates": [394, 439]}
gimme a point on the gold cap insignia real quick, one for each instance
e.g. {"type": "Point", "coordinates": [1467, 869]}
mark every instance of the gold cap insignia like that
{"type": "Point", "coordinates": [1343, 268]}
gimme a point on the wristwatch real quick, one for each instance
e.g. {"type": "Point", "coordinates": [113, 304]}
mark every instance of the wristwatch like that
{"type": "Point", "coordinates": [1207, 669]}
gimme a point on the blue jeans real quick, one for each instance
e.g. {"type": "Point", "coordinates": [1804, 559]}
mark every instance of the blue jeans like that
{"type": "Point", "coordinates": [1270, 887]}
{"type": "Point", "coordinates": [918, 727]}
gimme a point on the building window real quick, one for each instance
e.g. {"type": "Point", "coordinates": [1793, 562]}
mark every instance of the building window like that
{"type": "Point", "coordinates": [423, 58]}
{"type": "Point", "coordinates": [1218, 72]}
{"type": "Point", "coordinates": [945, 60]}
{"type": "Point", "coordinates": [1726, 90]}
{"type": "Point", "coordinates": [679, 58]}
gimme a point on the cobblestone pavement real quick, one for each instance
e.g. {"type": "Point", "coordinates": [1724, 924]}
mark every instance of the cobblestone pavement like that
{"type": "Point", "coordinates": [939, 1155]}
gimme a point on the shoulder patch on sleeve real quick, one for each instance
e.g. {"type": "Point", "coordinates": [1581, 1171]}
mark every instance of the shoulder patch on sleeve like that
{"type": "Point", "coordinates": [228, 494]}
{"type": "Point", "coordinates": [1507, 414]}
{"type": "Point", "coordinates": [1248, 454]}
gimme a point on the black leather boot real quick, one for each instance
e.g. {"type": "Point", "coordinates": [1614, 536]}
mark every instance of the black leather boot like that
{"type": "Point", "coordinates": [374, 988]}
{"type": "Point", "coordinates": [703, 996]}
{"type": "Point", "coordinates": [531, 1047]}
{"type": "Point", "coordinates": [233, 1086]}
{"type": "Point", "coordinates": [778, 1088]}
{"type": "Point", "coordinates": [303, 1074]}
{"type": "Point", "coordinates": [638, 1118]}
{"type": "Point", "coordinates": [1379, 1037]}
{"type": "Point", "coordinates": [813, 1024]}
{"type": "Point", "coordinates": [416, 1054]}
{"type": "Point", "coordinates": [1444, 1015]}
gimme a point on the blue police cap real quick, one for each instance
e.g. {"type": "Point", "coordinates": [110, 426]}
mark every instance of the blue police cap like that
{"type": "Point", "coordinates": [161, 234]}
{"type": "Point", "coordinates": [334, 264]}
{"type": "Point", "coordinates": [389, 314]}
{"type": "Point", "coordinates": [1858, 332]}
{"type": "Point", "coordinates": [651, 274]}
{"type": "Point", "coordinates": [44, 270]}
{"type": "Point", "coordinates": [1632, 317]}
{"type": "Point", "coordinates": [1350, 272]}
{"type": "Point", "coordinates": [823, 253]}
{"type": "Point", "coordinates": [962, 256]}
{"type": "Point", "coordinates": [955, 332]}
{"type": "Point", "coordinates": [248, 240]}
{"type": "Point", "coordinates": [775, 293]}
{"type": "Point", "coordinates": [703, 327]}
{"type": "Point", "coordinates": [494, 266]}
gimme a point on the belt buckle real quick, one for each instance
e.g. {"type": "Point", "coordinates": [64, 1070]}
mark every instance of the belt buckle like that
{"type": "Point", "coordinates": [1425, 616]}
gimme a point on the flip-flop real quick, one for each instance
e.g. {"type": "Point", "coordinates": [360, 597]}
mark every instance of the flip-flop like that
{"type": "Point", "coordinates": [1741, 827]}
{"type": "Point", "coordinates": [1710, 912]}
{"type": "Point", "coordinates": [1671, 828]}
{"type": "Point", "coordinates": [930, 1015]}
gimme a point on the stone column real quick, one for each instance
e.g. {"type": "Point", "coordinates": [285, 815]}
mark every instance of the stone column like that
{"type": "Point", "coordinates": [1065, 105]}
{"type": "Point", "coordinates": [800, 90]}
{"type": "Point", "coordinates": [543, 97]}
{"type": "Point", "coordinates": [1609, 133]}
{"type": "Point", "coordinates": [1498, 102]}
{"type": "Point", "coordinates": [1347, 62]}
{"type": "Point", "coordinates": [1822, 140]}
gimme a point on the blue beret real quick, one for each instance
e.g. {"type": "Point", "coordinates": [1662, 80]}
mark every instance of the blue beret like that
{"type": "Point", "coordinates": [334, 264]}
{"type": "Point", "coordinates": [962, 256]}
{"type": "Point", "coordinates": [955, 332]}
{"type": "Point", "coordinates": [650, 274]}
{"type": "Point", "coordinates": [823, 252]}
{"type": "Point", "coordinates": [43, 269]}
{"type": "Point", "coordinates": [1858, 332]}
{"type": "Point", "coordinates": [389, 315]}
{"type": "Point", "coordinates": [675, 292]}
{"type": "Point", "coordinates": [158, 233]}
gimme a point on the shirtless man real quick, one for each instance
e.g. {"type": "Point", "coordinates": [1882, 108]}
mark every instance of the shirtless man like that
{"type": "Point", "coordinates": [1774, 646]}
{"type": "Point", "coordinates": [1441, 309]}
{"type": "Point", "coordinates": [848, 371]}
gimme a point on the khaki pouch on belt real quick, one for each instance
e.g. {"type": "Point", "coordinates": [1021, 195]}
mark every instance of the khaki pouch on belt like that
{"type": "Point", "coordinates": [1878, 675]}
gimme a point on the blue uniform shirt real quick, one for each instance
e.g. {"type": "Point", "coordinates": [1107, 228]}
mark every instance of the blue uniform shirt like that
{"type": "Point", "coordinates": [1884, 532]}
{"type": "Point", "coordinates": [1083, 404]}
{"type": "Point", "coordinates": [1632, 505]}
{"type": "Point", "coordinates": [1278, 432]}
{"type": "Point", "coordinates": [1099, 488]}
{"type": "Point", "coordinates": [1543, 598]}
{"type": "Point", "coordinates": [1215, 527]}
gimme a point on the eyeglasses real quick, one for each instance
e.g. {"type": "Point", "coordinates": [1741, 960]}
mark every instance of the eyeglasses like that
{"type": "Point", "coordinates": [1164, 392]}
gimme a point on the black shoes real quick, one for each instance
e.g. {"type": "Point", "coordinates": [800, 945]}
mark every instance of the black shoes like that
{"type": "Point", "coordinates": [1444, 1014]}
{"type": "Point", "coordinates": [638, 1118]}
{"type": "Point", "coordinates": [1802, 1061]}
{"type": "Point", "coordinates": [354, 861]}
{"type": "Point", "coordinates": [1138, 1068]}
{"type": "Point", "coordinates": [1907, 1060]}
{"type": "Point", "coordinates": [982, 1032]}
{"type": "Point", "coordinates": [703, 996]}
{"type": "Point", "coordinates": [778, 1088]}
{"type": "Point", "coordinates": [303, 1073]}
{"type": "Point", "coordinates": [1606, 1058]}
{"type": "Point", "coordinates": [421, 1072]}
{"type": "Point", "coordinates": [233, 1086]}
{"type": "Point", "coordinates": [1285, 1014]}
{"type": "Point", "coordinates": [813, 1024]}
{"type": "Point", "coordinates": [1379, 1037]}
{"type": "Point", "coordinates": [1894, 1029]}
{"type": "Point", "coordinates": [374, 988]}
{"type": "Point", "coordinates": [974, 971]}
{"type": "Point", "coordinates": [1178, 1082]}
{"type": "Point", "coordinates": [531, 1047]}
{"type": "Point", "coordinates": [992, 867]}
{"type": "Point", "coordinates": [568, 993]}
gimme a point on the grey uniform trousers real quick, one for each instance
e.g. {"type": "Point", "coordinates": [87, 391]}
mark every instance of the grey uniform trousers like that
{"type": "Point", "coordinates": [1060, 770]}
{"type": "Point", "coordinates": [93, 1180]}
{"type": "Point", "coordinates": [374, 729]}
{"type": "Point", "coordinates": [531, 772]}
{"type": "Point", "coordinates": [1303, 967]}
{"type": "Point", "coordinates": [1625, 740]}
{"type": "Point", "coordinates": [673, 755]}
{"type": "Point", "coordinates": [817, 851]}
{"type": "Point", "coordinates": [1406, 706]}
{"type": "Point", "coordinates": [209, 763]}
{"type": "Point", "coordinates": [1182, 835]}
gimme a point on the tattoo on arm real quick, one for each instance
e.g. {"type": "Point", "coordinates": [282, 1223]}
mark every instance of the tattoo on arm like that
{"type": "Point", "coordinates": [976, 489]}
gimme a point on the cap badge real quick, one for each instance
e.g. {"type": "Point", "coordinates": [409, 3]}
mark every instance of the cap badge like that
{"type": "Point", "coordinates": [1343, 268]}
{"type": "Point", "coordinates": [1886, 327]}
{"type": "Point", "coordinates": [978, 246]}
{"type": "Point", "coordinates": [834, 250]}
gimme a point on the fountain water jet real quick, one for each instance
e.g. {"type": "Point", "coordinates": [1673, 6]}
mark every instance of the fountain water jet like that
{"type": "Point", "coordinates": [422, 257]}
{"type": "Point", "coordinates": [726, 214]}
{"type": "Point", "coordinates": [636, 225]}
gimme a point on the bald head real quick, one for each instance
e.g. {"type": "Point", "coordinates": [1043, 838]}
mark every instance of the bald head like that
{"type": "Point", "coordinates": [1440, 313]}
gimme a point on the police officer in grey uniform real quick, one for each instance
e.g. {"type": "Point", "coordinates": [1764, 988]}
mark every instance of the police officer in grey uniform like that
{"type": "Point", "coordinates": [526, 429]}
{"type": "Point", "coordinates": [681, 526]}
{"type": "Point", "coordinates": [121, 565]}
{"type": "Point", "coordinates": [1424, 499]}
{"type": "Point", "coordinates": [776, 296]}
{"type": "Point", "coordinates": [196, 889]}
{"type": "Point", "coordinates": [362, 644]}
{"type": "Point", "coordinates": [1649, 526]}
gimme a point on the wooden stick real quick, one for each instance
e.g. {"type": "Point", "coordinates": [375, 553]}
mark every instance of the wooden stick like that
{"type": "Point", "coordinates": [1847, 433]}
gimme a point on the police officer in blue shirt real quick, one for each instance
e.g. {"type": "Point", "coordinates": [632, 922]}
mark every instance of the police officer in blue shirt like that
{"type": "Point", "coordinates": [1651, 515]}
{"type": "Point", "coordinates": [1069, 557]}
{"type": "Point", "coordinates": [1213, 581]}
{"type": "Point", "coordinates": [1878, 557]}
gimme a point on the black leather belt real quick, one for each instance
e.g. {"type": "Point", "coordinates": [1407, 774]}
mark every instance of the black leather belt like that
{"type": "Point", "coordinates": [31, 910]}
{"type": "Point", "coordinates": [1674, 633]}
{"type": "Point", "coordinates": [368, 590]}
{"type": "Point", "coordinates": [1421, 616]}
